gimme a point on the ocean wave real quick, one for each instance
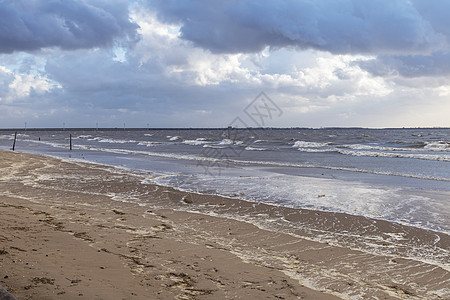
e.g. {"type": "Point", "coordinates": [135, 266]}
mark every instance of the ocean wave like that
{"type": "Point", "coordinates": [439, 146]}
{"type": "Point", "coordinates": [88, 136]}
{"type": "Point", "coordinates": [214, 146]}
{"type": "Point", "coordinates": [173, 138]}
{"type": "Point", "coordinates": [421, 147]}
{"type": "Point", "coordinates": [226, 142]}
{"type": "Point", "coordinates": [304, 144]}
{"type": "Point", "coordinates": [149, 144]}
{"type": "Point", "coordinates": [7, 136]}
{"type": "Point", "coordinates": [379, 151]}
{"type": "Point", "coordinates": [230, 142]}
{"type": "Point", "coordinates": [264, 163]}
{"type": "Point", "coordinates": [196, 142]}
{"type": "Point", "coordinates": [112, 141]}
{"type": "Point", "coordinates": [256, 149]}
{"type": "Point", "coordinates": [313, 150]}
{"type": "Point", "coordinates": [395, 155]}
{"type": "Point", "coordinates": [214, 160]}
{"type": "Point", "coordinates": [371, 147]}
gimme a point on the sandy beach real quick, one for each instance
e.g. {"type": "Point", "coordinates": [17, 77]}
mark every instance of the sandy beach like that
{"type": "Point", "coordinates": [71, 230]}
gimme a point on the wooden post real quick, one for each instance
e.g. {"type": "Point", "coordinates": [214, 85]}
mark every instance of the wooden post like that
{"type": "Point", "coordinates": [14, 144]}
{"type": "Point", "coordinates": [70, 142]}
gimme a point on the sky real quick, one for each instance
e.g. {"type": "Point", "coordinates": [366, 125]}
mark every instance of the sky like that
{"type": "Point", "coordinates": [205, 63]}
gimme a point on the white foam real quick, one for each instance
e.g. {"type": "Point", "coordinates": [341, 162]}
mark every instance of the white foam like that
{"type": "Point", "coordinates": [255, 149]}
{"type": "Point", "coordinates": [196, 142]}
{"type": "Point", "coordinates": [441, 157]}
{"type": "Point", "coordinates": [439, 146]}
{"type": "Point", "coordinates": [304, 144]}
{"type": "Point", "coordinates": [230, 142]}
{"type": "Point", "coordinates": [378, 151]}
{"type": "Point", "coordinates": [7, 136]}
{"type": "Point", "coordinates": [375, 201]}
{"type": "Point", "coordinates": [312, 150]}
{"type": "Point", "coordinates": [371, 147]}
{"type": "Point", "coordinates": [214, 146]}
{"type": "Point", "coordinates": [112, 141]}
{"type": "Point", "coordinates": [429, 146]}
{"type": "Point", "coordinates": [149, 144]}
{"type": "Point", "coordinates": [226, 142]}
{"type": "Point", "coordinates": [88, 136]}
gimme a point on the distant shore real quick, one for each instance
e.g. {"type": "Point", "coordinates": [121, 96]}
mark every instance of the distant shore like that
{"type": "Point", "coordinates": [84, 231]}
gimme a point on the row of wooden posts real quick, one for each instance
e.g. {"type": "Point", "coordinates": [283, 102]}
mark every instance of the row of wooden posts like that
{"type": "Point", "coordinates": [15, 138]}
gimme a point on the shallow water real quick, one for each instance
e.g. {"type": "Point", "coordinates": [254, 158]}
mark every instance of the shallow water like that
{"type": "Point", "coordinates": [399, 175]}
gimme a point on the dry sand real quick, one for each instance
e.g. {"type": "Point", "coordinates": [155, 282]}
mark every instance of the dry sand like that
{"type": "Point", "coordinates": [80, 231]}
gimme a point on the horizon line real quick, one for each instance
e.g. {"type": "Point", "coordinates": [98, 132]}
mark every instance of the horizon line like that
{"type": "Point", "coordinates": [206, 128]}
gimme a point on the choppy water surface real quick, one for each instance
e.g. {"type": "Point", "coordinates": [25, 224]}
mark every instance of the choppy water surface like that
{"type": "Point", "coordinates": [400, 175]}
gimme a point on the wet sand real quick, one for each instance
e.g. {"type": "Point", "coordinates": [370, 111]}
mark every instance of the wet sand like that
{"type": "Point", "coordinates": [84, 231]}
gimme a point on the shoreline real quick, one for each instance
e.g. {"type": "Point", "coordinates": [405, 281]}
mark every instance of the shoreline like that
{"type": "Point", "coordinates": [193, 246]}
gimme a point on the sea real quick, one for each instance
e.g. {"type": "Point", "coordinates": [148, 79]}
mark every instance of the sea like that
{"type": "Point", "coordinates": [397, 175]}
{"type": "Point", "coordinates": [382, 192]}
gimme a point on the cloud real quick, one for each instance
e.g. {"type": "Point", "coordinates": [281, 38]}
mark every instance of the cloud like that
{"type": "Point", "coordinates": [340, 27]}
{"type": "Point", "coordinates": [435, 65]}
{"type": "Point", "coordinates": [436, 13]}
{"type": "Point", "coordinates": [170, 78]}
{"type": "Point", "coordinates": [6, 77]}
{"type": "Point", "coordinates": [16, 87]}
{"type": "Point", "coordinates": [66, 24]}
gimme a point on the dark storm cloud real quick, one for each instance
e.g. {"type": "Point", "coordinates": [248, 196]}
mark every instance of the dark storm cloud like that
{"type": "Point", "coordinates": [343, 26]}
{"type": "Point", "coordinates": [27, 25]}
{"type": "Point", "coordinates": [436, 63]}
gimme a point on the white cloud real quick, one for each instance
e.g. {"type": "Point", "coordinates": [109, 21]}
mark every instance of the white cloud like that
{"type": "Point", "coordinates": [168, 80]}
{"type": "Point", "coordinates": [21, 85]}
{"type": "Point", "coordinates": [24, 84]}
